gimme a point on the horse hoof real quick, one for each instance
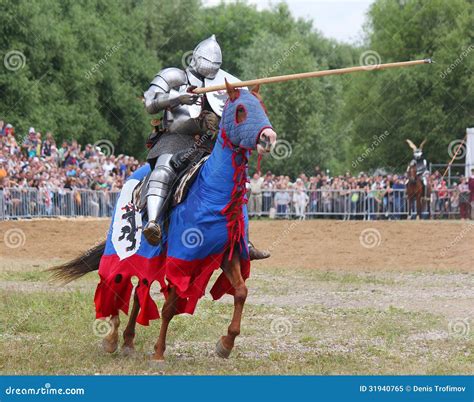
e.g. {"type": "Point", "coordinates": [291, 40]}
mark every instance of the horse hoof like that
{"type": "Point", "coordinates": [157, 364]}
{"type": "Point", "coordinates": [222, 351]}
{"type": "Point", "coordinates": [108, 346]}
{"type": "Point", "coordinates": [128, 351]}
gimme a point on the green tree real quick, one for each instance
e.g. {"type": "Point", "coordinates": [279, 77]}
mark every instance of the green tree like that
{"type": "Point", "coordinates": [429, 101]}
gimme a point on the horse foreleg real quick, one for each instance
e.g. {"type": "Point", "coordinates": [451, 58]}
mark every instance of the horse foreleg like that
{"type": "Point", "coordinates": [232, 271]}
{"type": "Point", "coordinates": [129, 332]}
{"type": "Point", "coordinates": [167, 313]}
{"type": "Point", "coordinates": [411, 206]}
{"type": "Point", "coordinates": [418, 206]}
{"type": "Point", "coordinates": [110, 342]}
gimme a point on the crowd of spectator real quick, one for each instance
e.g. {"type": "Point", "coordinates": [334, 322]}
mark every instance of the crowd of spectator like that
{"type": "Point", "coordinates": [355, 197]}
{"type": "Point", "coordinates": [56, 171]}
{"type": "Point", "coordinates": [37, 161]}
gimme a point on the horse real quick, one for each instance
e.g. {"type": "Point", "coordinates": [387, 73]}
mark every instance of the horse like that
{"type": "Point", "coordinates": [205, 232]}
{"type": "Point", "coordinates": [416, 188]}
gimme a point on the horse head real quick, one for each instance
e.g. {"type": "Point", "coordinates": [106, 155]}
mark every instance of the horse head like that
{"type": "Point", "coordinates": [245, 120]}
{"type": "Point", "coordinates": [417, 151]}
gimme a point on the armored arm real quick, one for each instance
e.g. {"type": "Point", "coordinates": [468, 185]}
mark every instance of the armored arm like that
{"type": "Point", "coordinates": [164, 91]}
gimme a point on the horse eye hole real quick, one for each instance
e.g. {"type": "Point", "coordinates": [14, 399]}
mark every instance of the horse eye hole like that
{"type": "Point", "coordinates": [240, 114]}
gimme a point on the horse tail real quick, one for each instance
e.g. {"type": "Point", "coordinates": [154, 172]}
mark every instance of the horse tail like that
{"type": "Point", "coordinates": [78, 267]}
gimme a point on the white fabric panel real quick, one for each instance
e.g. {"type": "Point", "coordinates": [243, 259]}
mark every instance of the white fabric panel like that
{"type": "Point", "coordinates": [469, 151]}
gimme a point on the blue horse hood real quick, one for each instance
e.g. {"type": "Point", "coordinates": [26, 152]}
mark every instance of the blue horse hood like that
{"type": "Point", "coordinates": [246, 133]}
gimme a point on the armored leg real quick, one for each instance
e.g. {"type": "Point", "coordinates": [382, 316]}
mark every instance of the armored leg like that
{"type": "Point", "coordinates": [159, 185]}
{"type": "Point", "coordinates": [425, 181]}
{"type": "Point", "coordinates": [256, 254]}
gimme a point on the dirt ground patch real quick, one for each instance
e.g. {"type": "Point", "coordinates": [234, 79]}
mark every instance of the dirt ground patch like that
{"type": "Point", "coordinates": [335, 298]}
{"type": "Point", "coordinates": [318, 244]}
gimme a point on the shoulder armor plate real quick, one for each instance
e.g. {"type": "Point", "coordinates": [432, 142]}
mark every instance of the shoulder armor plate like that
{"type": "Point", "coordinates": [169, 78]}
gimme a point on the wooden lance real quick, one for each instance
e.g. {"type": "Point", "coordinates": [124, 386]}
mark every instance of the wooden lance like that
{"type": "Point", "coordinates": [312, 74]}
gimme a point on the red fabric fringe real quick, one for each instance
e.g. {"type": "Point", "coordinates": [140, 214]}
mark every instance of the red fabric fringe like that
{"type": "Point", "coordinates": [190, 278]}
{"type": "Point", "coordinates": [233, 210]}
{"type": "Point", "coordinates": [115, 288]}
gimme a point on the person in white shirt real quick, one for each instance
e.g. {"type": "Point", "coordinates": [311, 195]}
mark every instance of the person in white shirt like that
{"type": "Point", "coordinates": [282, 200]}
{"type": "Point", "coordinates": [300, 199]}
{"type": "Point", "coordinates": [255, 198]}
{"type": "Point", "coordinates": [108, 165]}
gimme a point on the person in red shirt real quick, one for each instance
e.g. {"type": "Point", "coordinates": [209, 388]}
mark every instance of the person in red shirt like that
{"type": "Point", "coordinates": [442, 207]}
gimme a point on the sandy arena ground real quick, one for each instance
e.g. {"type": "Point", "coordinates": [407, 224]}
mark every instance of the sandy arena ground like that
{"type": "Point", "coordinates": [316, 244]}
{"type": "Point", "coordinates": [335, 297]}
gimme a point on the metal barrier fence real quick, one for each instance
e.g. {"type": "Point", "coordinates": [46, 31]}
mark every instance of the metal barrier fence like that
{"type": "Point", "coordinates": [354, 204]}
{"type": "Point", "coordinates": [339, 204]}
{"type": "Point", "coordinates": [32, 202]}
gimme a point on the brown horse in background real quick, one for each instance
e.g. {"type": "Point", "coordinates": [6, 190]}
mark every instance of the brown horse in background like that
{"type": "Point", "coordinates": [415, 191]}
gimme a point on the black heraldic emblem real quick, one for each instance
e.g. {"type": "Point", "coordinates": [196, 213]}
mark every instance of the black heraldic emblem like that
{"type": "Point", "coordinates": [129, 231]}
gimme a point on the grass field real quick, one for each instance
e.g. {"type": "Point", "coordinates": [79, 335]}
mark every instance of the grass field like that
{"type": "Point", "coordinates": [297, 321]}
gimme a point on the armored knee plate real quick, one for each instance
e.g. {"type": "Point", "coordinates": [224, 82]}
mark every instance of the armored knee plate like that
{"type": "Point", "coordinates": [159, 186]}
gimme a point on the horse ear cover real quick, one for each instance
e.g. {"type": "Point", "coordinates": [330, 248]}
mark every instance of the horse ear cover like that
{"type": "Point", "coordinates": [231, 91]}
{"type": "Point", "coordinates": [256, 89]}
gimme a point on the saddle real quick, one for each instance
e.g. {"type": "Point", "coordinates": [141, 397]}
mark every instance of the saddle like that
{"type": "Point", "coordinates": [179, 189]}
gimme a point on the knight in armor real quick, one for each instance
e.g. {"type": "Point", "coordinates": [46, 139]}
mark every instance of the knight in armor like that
{"type": "Point", "coordinates": [419, 161]}
{"type": "Point", "coordinates": [186, 132]}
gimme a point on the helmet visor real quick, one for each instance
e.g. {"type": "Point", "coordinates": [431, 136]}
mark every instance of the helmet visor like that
{"type": "Point", "coordinates": [207, 68]}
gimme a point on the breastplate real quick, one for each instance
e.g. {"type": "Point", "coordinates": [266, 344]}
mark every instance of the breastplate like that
{"type": "Point", "coordinates": [420, 167]}
{"type": "Point", "coordinates": [183, 119]}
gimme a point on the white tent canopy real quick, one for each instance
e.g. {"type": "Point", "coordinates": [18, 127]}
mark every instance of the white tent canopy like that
{"type": "Point", "coordinates": [469, 151]}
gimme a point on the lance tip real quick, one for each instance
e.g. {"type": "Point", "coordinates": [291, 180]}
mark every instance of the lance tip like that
{"type": "Point", "coordinates": [429, 61]}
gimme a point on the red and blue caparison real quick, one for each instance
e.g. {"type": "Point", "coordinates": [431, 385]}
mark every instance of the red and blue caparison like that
{"type": "Point", "coordinates": [211, 221]}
